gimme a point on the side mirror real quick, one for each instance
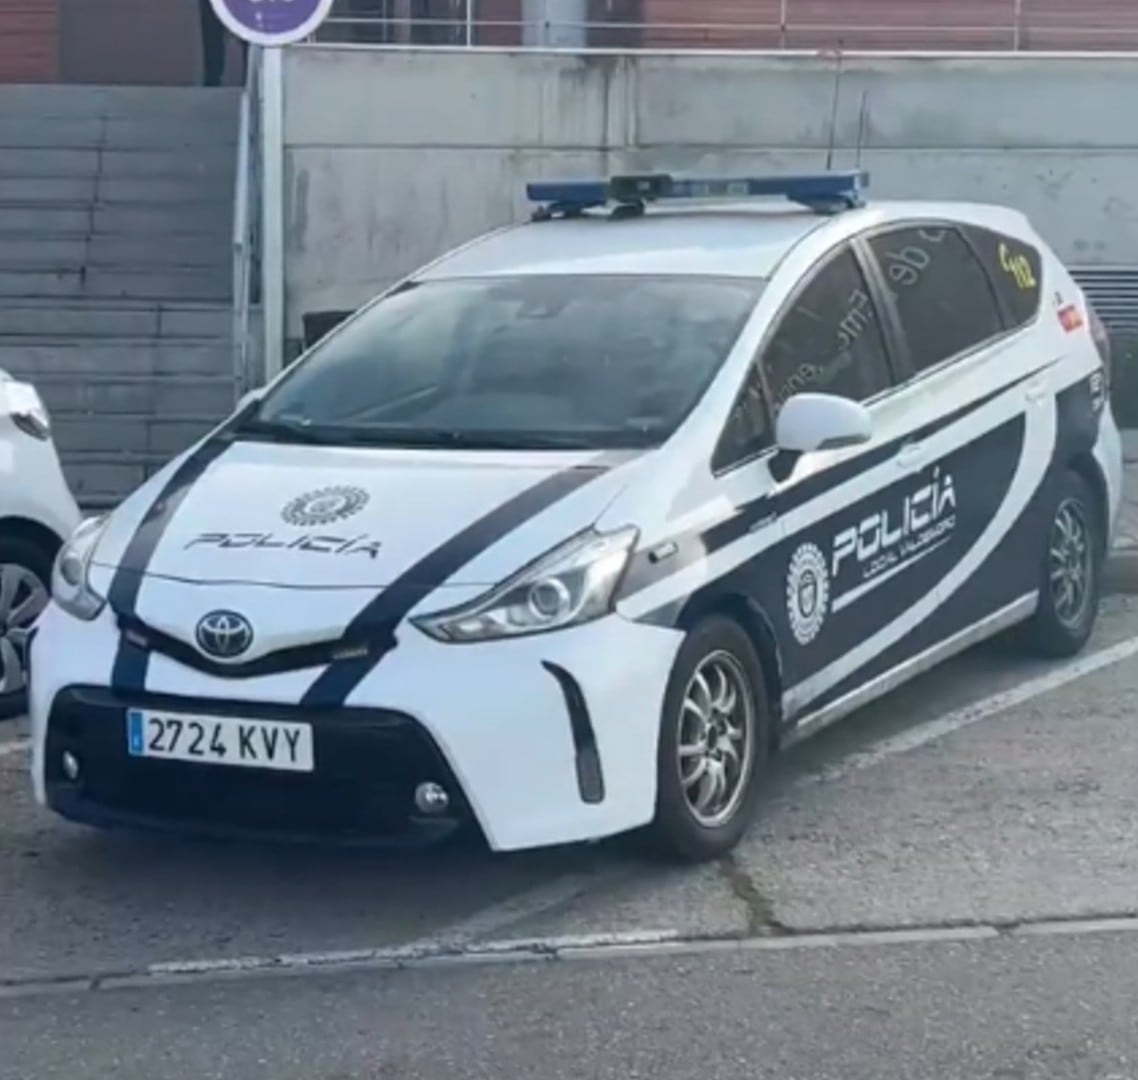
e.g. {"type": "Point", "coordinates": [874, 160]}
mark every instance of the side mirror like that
{"type": "Point", "coordinates": [808, 422]}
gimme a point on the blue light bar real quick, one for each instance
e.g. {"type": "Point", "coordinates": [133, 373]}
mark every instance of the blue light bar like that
{"type": "Point", "coordinates": [818, 191]}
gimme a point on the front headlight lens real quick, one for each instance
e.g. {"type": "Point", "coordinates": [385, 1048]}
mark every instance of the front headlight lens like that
{"type": "Point", "coordinates": [572, 584]}
{"type": "Point", "coordinates": [70, 585]}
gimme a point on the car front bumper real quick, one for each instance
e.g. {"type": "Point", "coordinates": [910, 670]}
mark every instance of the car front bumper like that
{"type": "Point", "coordinates": [538, 741]}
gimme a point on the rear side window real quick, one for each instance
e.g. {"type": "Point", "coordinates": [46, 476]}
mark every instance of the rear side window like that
{"type": "Point", "coordinates": [943, 296]}
{"type": "Point", "coordinates": [1015, 268]}
{"type": "Point", "coordinates": [829, 341]}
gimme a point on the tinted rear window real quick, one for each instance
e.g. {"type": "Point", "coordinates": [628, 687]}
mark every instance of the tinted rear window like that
{"type": "Point", "coordinates": [943, 296]}
{"type": "Point", "coordinates": [1016, 270]}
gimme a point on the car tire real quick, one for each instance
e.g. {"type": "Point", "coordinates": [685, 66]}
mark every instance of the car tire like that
{"type": "Point", "coordinates": [1070, 581]}
{"type": "Point", "coordinates": [715, 689]}
{"type": "Point", "coordinates": [22, 561]}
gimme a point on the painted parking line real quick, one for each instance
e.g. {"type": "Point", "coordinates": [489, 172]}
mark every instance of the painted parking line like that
{"type": "Point", "coordinates": [977, 711]}
{"type": "Point", "coordinates": [589, 948]}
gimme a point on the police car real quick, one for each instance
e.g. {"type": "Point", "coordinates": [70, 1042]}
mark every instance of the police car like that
{"type": "Point", "coordinates": [568, 532]}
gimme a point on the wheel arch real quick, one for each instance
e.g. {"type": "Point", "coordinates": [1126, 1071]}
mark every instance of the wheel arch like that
{"type": "Point", "coordinates": [31, 530]}
{"type": "Point", "coordinates": [756, 624]}
{"type": "Point", "coordinates": [1084, 465]}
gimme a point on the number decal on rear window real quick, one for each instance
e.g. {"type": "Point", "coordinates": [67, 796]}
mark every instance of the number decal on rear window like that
{"type": "Point", "coordinates": [1016, 270]}
{"type": "Point", "coordinates": [1017, 266]}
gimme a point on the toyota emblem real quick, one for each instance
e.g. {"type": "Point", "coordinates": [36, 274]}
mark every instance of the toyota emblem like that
{"type": "Point", "coordinates": [224, 634]}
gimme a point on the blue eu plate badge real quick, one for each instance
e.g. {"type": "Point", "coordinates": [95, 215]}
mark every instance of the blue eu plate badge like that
{"type": "Point", "coordinates": [135, 725]}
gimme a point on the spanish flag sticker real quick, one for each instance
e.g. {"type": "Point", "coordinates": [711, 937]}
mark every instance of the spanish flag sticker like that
{"type": "Point", "coordinates": [1070, 318]}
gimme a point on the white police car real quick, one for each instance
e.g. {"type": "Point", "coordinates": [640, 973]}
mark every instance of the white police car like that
{"type": "Point", "coordinates": [564, 534]}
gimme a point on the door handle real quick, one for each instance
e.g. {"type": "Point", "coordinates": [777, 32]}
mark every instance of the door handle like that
{"type": "Point", "coordinates": [910, 455]}
{"type": "Point", "coordinates": [1038, 388]}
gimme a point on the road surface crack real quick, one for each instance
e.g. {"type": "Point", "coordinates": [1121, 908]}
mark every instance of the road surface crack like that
{"type": "Point", "coordinates": [761, 918]}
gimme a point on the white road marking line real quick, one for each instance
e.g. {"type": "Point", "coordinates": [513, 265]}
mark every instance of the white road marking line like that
{"type": "Point", "coordinates": [15, 746]}
{"type": "Point", "coordinates": [458, 938]}
{"type": "Point", "coordinates": [521, 906]}
{"type": "Point", "coordinates": [1063, 928]}
{"type": "Point", "coordinates": [632, 945]}
{"type": "Point", "coordinates": [974, 713]}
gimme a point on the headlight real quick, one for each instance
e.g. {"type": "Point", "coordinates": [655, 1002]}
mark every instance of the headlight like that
{"type": "Point", "coordinates": [70, 587]}
{"type": "Point", "coordinates": [572, 584]}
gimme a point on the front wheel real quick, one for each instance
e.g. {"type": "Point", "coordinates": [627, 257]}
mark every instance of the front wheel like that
{"type": "Point", "coordinates": [713, 743]}
{"type": "Point", "coordinates": [1070, 571]}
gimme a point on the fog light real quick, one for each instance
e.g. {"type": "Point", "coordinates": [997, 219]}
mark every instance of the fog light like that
{"type": "Point", "coordinates": [70, 766]}
{"type": "Point", "coordinates": [431, 798]}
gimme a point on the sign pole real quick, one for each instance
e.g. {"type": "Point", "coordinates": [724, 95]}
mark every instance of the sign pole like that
{"type": "Point", "coordinates": [273, 314]}
{"type": "Point", "coordinates": [272, 24]}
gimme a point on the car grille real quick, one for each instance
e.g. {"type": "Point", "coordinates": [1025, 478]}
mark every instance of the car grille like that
{"type": "Point", "coordinates": [368, 765]}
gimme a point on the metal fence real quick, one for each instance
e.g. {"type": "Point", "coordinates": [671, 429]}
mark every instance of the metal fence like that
{"type": "Point", "coordinates": [925, 25]}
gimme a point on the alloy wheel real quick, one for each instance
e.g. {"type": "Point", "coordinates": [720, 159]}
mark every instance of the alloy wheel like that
{"type": "Point", "coordinates": [716, 738]}
{"type": "Point", "coordinates": [1070, 564]}
{"type": "Point", "coordinates": [22, 597]}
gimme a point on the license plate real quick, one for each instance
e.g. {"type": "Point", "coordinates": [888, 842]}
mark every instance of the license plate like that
{"type": "Point", "coordinates": [220, 740]}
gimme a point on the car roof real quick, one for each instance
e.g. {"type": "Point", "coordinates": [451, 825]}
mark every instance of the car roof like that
{"type": "Point", "coordinates": [720, 240]}
{"type": "Point", "coordinates": [743, 240]}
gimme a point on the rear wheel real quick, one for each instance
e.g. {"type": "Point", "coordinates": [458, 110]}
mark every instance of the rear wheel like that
{"type": "Point", "coordinates": [1070, 571]}
{"type": "Point", "coordinates": [713, 743]}
{"type": "Point", "coordinates": [25, 588]}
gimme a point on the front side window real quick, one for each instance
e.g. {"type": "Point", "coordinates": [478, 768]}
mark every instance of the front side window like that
{"type": "Point", "coordinates": [746, 432]}
{"type": "Point", "coordinates": [518, 362]}
{"type": "Point", "coordinates": [829, 341]}
{"type": "Point", "coordinates": [944, 299]}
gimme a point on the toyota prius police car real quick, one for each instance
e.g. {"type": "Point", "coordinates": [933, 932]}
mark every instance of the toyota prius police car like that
{"type": "Point", "coordinates": [563, 535]}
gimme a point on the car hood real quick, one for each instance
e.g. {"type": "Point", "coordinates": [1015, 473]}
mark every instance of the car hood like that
{"type": "Point", "coordinates": [324, 517]}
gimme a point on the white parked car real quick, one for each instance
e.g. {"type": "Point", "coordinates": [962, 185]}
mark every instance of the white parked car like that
{"type": "Point", "coordinates": [566, 533]}
{"type": "Point", "coordinates": [37, 513]}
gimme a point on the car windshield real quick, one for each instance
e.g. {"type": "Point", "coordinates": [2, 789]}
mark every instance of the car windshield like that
{"type": "Point", "coordinates": [526, 363]}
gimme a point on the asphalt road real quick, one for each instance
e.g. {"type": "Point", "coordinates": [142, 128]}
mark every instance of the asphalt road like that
{"type": "Point", "coordinates": [994, 794]}
{"type": "Point", "coordinates": [1016, 1009]}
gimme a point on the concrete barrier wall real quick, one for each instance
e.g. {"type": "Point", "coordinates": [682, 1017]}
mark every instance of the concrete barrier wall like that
{"type": "Point", "coordinates": [392, 157]}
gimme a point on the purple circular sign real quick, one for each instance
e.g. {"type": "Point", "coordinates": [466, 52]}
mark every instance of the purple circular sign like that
{"type": "Point", "coordinates": [272, 22]}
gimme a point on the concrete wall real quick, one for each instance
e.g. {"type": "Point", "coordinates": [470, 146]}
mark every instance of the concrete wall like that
{"type": "Point", "coordinates": [393, 157]}
{"type": "Point", "coordinates": [115, 269]}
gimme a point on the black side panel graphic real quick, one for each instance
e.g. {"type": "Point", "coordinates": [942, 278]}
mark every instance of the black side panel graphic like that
{"type": "Point", "coordinates": [131, 658]}
{"type": "Point", "coordinates": [832, 586]}
{"type": "Point", "coordinates": [1012, 569]}
{"type": "Point", "coordinates": [378, 621]}
{"type": "Point", "coordinates": [1078, 419]}
{"type": "Point", "coordinates": [691, 547]}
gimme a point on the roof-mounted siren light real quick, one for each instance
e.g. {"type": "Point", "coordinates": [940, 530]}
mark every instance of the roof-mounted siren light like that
{"type": "Point", "coordinates": [823, 193]}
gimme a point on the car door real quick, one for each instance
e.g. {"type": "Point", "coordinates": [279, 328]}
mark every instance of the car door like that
{"type": "Point", "coordinates": [862, 582]}
{"type": "Point", "coordinates": [974, 375]}
{"type": "Point", "coordinates": [846, 566]}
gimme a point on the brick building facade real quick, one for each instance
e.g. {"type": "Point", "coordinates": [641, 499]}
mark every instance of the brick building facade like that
{"type": "Point", "coordinates": [157, 41]}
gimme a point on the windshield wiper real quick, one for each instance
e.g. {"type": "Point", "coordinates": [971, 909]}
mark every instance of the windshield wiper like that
{"type": "Point", "coordinates": [295, 431]}
{"type": "Point", "coordinates": [518, 440]}
{"type": "Point", "coordinates": [286, 431]}
{"type": "Point", "coordinates": [447, 439]}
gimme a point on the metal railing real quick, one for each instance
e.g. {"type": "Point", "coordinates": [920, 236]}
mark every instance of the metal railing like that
{"type": "Point", "coordinates": [925, 25]}
{"type": "Point", "coordinates": [247, 225]}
